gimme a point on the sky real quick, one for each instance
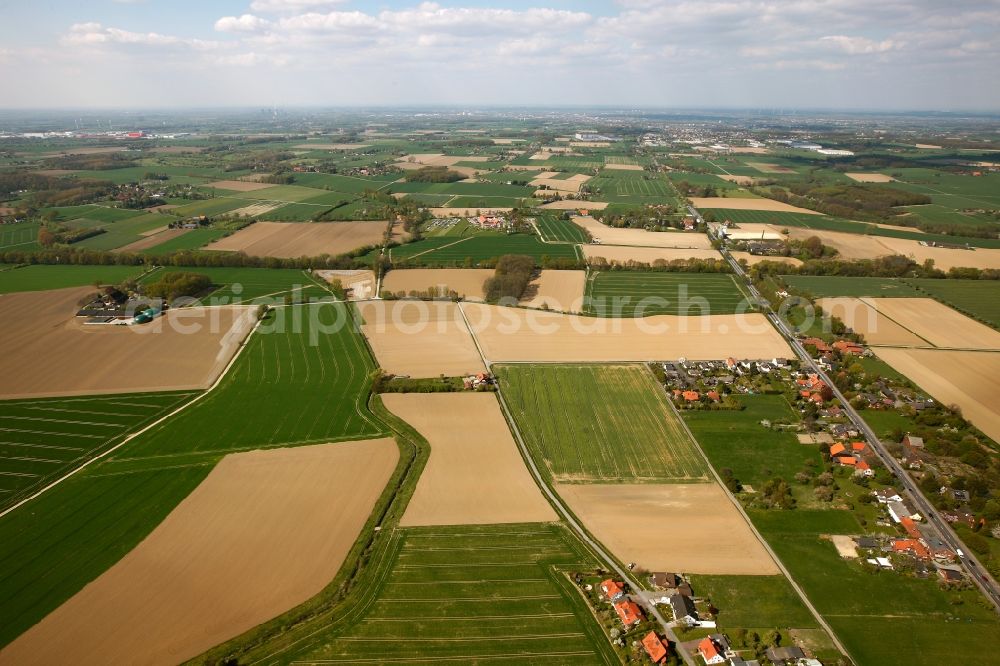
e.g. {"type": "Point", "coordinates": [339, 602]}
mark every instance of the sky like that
{"type": "Point", "coordinates": [757, 54]}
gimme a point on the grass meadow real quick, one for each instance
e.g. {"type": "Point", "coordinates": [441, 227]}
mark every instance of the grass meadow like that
{"type": "Point", "coordinates": [251, 285]}
{"type": "Point", "coordinates": [473, 594]}
{"type": "Point", "coordinates": [754, 601]}
{"type": "Point", "coordinates": [22, 236]}
{"type": "Point", "coordinates": [556, 229]}
{"type": "Point", "coordinates": [621, 294]}
{"type": "Point", "coordinates": [41, 277]}
{"type": "Point", "coordinates": [123, 232]}
{"type": "Point", "coordinates": [600, 423]}
{"type": "Point", "coordinates": [189, 240]}
{"type": "Point", "coordinates": [454, 252]}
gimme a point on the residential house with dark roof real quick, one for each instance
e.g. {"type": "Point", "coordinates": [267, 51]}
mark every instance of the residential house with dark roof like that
{"type": "Point", "coordinates": [683, 608]}
{"type": "Point", "coordinates": [784, 656]}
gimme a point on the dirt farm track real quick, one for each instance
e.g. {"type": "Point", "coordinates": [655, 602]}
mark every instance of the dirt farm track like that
{"type": "Point", "coordinates": [57, 355]}
{"type": "Point", "coordinates": [265, 531]}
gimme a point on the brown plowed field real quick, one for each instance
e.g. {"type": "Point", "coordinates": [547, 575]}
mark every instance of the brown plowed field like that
{"type": "Point", "coordinates": [301, 239]}
{"type": "Point", "coordinates": [264, 532]}
{"type": "Point", "coordinates": [687, 528]}
{"type": "Point", "coordinates": [420, 339]}
{"type": "Point", "coordinates": [519, 335]}
{"type": "Point", "coordinates": [741, 203]}
{"type": "Point", "coordinates": [622, 254]}
{"type": "Point", "coordinates": [937, 323]}
{"type": "Point", "coordinates": [866, 320]}
{"type": "Point", "coordinates": [239, 185]}
{"type": "Point", "coordinates": [475, 474]}
{"type": "Point", "coordinates": [640, 237]}
{"type": "Point", "coordinates": [49, 352]}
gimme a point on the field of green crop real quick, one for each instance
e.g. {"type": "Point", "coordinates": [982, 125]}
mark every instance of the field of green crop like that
{"type": "Point", "coordinates": [46, 437]}
{"type": "Point", "coordinates": [631, 189]}
{"type": "Point", "coordinates": [754, 601]}
{"type": "Point", "coordinates": [299, 212]}
{"type": "Point", "coordinates": [600, 423]}
{"type": "Point", "coordinates": [465, 189]}
{"type": "Point", "coordinates": [448, 251]}
{"type": "Point", "coordinates": [560, 230]}
{"type": "Point", "coordinates": [302, 379]}
{"type": "Point", "coordinates": [821, 286]}
{"type": "Point", "coordinates": [189, 240]}
{"type": "Point", "coordinates": [338, 183]}
{"type": "Point", "coordinates": [22, 236]}
{"type": "Point", "coordinates": [210, 207]}
{"type": "Point", "coordinates": [123, 232]}
{"type": "Point", "coordinates": [39, 277]}
{"type": "Point", "coordinates": [96, 212]}
{"type": "Point", "coordinates": [472, 594]}
{"type": "Point", "coordinates": [252, 285]}
{"type": "Point", "coordinates": [286, 193]}
{"type": "Point", "coordinates": [305, 383]}
{"type": "Point", "coordinates": [635, 294]}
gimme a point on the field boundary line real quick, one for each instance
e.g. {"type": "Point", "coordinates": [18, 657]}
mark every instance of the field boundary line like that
{"type": "Point", "coordinates": [129, 438]}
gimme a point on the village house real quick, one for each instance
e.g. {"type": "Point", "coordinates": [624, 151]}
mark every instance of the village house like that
{"type": "Point", "coordinates": [897, 510]}
{"type": "Point", "coordinates": [612, 590]}
{"type": "Point", "coordinates": [655, 647]}
{"type": "Point", "coordinates": [713, 648]}
{"type": "Point", "coordinates": [784, 656]}
{"type": "Point", "coordinates": [886, 495]}
{"type": "Point", "coordinates": [683, 609]}
{"type": "Point", "coordinates": [911, 546]}
{"type": "Point", "coordinates": [628, 612]}
{"type": "Point", "coordinates": [913, 451]}
{"type": "Point", "coordinates": [848, 347]}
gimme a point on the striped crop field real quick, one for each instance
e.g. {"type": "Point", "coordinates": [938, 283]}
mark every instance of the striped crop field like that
{"type": "Point", "coordinates": [556, 229]}
{"type": "Point", "coordinates": [41, 439]}
{"type": "Point", "coordinates": [473, 594]}
{"type": "Point", "coordinates": [637, 294]}
{"type": "Point", "coordinates": [603, 423]}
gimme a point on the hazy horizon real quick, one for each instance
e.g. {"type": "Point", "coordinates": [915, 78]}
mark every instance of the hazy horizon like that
{"type": "Point", "coordinates": [836, 55]}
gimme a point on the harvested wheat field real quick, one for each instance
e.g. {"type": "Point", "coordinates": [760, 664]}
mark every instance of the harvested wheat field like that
{"type": "Point", "coordinates": [468, 282]}
{"type": "Point", "coordinates": [857, 246]}
{"type": "Point", "coordinates": [59, 355]}
{"type": "Point", "coordinates": [752, 259]}
{"type": "Point", "coordinates": [301, 239]}
{"type": "Point", "coordinates": [475, 474]}
{"type": "Point", "coordinates": [575, 204]}
{"type": "Point", "coordinates": [264, 532]}
{"type": "Point", "coordinates": [358, 284]}
{"type": "Point", "coordinates": [691, 519]}
{"type": "Point", "coordinates": [641, 237]}
{"type": "Point", "coordinates": [589, 144]}
{"type": "Point", "coordinates": [256, 209]}
{"type": "Point", "coordinates": [740, 180]}
{"type": "Point", "coordinates": [624, 167]}
{"type": "Point", "coordinates": [765, 167]}
{"type": "Point", "coordinates": [862, 318]}
{"type": "Point", "coordinates": [515, 335]}
{"type": "Point", "coordinates": [622, 254]}
{"type": "Point", "coordinates": [937, 323]}
{"type": "Point", "coordinates": [740, 203]}
{"type": "Point", "coordinates": [239, 185]}
{"type": "Point", "coordinates": [420, 338]}
{"type": "Point", "coordinates": [556, 290]}
{"type": "Point", "coordinates": [969, 379]}
{"type": "Point", "coordinates": [870, 177]}
{"type": "Point", "coordinates": [152, 240]}
{"type": "Point", "coordinates": [927, 146]}
{"type": "Point", "coordinates": [572, 184]}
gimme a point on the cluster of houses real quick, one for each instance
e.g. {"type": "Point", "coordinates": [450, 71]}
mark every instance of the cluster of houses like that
{"type": "Point", "coordinates": [716, 649]}
{"type": "Point", "coordinates": [826, 350]}
{"type": "Point", "coordinates": [852, 455]}
{"type": "Point", "coordinates": [481, 381]}
{"type": "Point", "coordinates": [705, 382]}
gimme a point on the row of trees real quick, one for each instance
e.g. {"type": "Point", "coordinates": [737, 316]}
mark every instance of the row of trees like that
{"type": "Point", "coordinates": [511, 278]}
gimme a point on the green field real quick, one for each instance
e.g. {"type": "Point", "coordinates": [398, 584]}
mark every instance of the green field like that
{"type": "Point", "coordinates": [465, 189]}
{"type": "Point", "coordinates": [754, 601]}
{"type": "Point", "coordinates": [448, 251]}
{"type": "Point", "coordinates": [338, 183]}
{"type": "Point", "coordinates": [189, 240]}
{"type": "Point", "coordinates": [471, 594]}
{"type": "Point", "coordinates": [22, 236]}
{"type": "Point", "coordinates": [304, 384]}
{"type": "Point", "coordinates": [600, 423]}
{"type": "Point", "coordinates": [825, 287]}
{"type": "Point", "coordinates": [96, 212]}
{"type": "Point", "coordinates": [302, 379]}
{"type": "Point", "coordinates": [251, 285]}
{"type": "Point", "coordinates": [283, 193]}
{"type": "Point", "coordinates": [46, 437]}
{"type": "Point", "coordinates": [636, 294]}
{"type": "Point", "coordinates": [123, 232]}
{"type": "Point", "coordinates": [734, 439]}
{"type": "Point", "coordinates": [635, 187]}
{"type": "Point", "coordinates": [39, 277]}
{"type": "Point", "coordinates": [556, 229]}
{"type": "Point", "coordinates": [211, 207]}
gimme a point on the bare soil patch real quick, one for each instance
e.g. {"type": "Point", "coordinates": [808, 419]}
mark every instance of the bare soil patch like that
{"type": "Point", "coordinates": [264, 532]}
{"type": "Point", "coordinates": [359, 284]}
{"type": "Point", "coordinates": [870, 177]}
{"type": "Point", "coordinates": [239, 185]}
{"type": "Point", "coordinates": [419, 338]}
{"type": "Point", "coordinates": [845, 546]}
{"type": "Point", "coordinates": [257, 209]}
{"type": "Point", "coordinates": [866, 320]}
{"type": "Point", "coordinates": [969, 379]}
{"type": "Point", "coordinates": [556, 290]}
{"type": "Point", "coordinates": [622, 254]}
{"type": "Point", "coordinates": [332, 146]}
{"type": "Point", "coordinates": [514, 334]}
{"type": "Point", "coordinates": [51, 353]}
{"type": "Point", "coordinates": [624, 167]}
{"type": "Point", "coordinates": [642, 238]}
{"type": "Point", "coordinates": [765, 167]}
{"type": "Point", "coordinates": [468, 282]}
{"type": "Point", "coordinates": [300, 239]}
{"type": "Point", "coordinates": [927, 146]}
{"type": "Point", "coordinates": [740, 180]}
{"type": "Point", "coordinates": [85, 150]}
{"type": "Point", "coordinates": [573, 204]}
{"type": "Point", "coordinates": [152, 240]}
{"type": "Point", "coordinates": [687, 528]}
{"type": "Point", "coordinates": [752, 259]}
{"type": "Point", "coordinates": [741, 203]}
{"type": "Point", "coordinates": [936, 322]}
{"type": "Point", "coordinates": [475, 474]}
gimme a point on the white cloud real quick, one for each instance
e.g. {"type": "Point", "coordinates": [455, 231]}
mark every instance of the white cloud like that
{"type": "Point", "coordinates": [244, 23]}
{"type": "Point", "coordinates": [292, 5]}
{"type": "Point", "coordinates": [861, 45]}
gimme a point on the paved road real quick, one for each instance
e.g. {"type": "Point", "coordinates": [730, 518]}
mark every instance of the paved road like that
{"type": "Point", "coordinates": [571, 520]}
{"type": "Point", "coordinates": [987, 585]}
